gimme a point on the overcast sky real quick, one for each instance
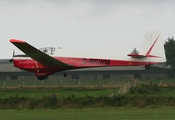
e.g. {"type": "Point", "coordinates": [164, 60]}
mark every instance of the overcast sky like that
{"type": "Point", "coordinates": [100, 26]}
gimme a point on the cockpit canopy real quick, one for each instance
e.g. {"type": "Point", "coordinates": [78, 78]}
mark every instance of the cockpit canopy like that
{"type": "Point", "coordinates": [48, 50]}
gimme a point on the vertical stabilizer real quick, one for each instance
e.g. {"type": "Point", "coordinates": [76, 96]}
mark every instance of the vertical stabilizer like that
{"type": "Point", "coordinates": [153, 46]}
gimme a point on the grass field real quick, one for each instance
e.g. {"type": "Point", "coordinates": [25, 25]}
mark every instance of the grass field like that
{"type": "Point", "coordinates": [90, 114]}
{"type": "Point", "coordinates": [59, 92]}
{"type": "Point", "coordinates": [57, 82]}
{"type": "Point", "coordinates": [95, 105]}
{"type": "Point", "coordinates": [35, 88]}
{"type": "Point", "coordinates": [18, 83]}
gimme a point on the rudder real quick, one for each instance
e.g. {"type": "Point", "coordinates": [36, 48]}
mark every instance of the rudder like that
{"type": "Point", "coordinates": [153, 46]}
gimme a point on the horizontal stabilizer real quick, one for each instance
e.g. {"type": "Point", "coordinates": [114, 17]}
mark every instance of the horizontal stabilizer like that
{"type": "Point", "coordinates": [136, 55]}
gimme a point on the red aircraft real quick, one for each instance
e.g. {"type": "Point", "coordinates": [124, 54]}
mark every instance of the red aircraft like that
{"type": "Point", "coordinates": [46, 61]}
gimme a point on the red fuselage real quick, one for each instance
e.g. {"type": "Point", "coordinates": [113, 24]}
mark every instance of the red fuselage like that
{"type": "Point", "coordinates": [75, 63]}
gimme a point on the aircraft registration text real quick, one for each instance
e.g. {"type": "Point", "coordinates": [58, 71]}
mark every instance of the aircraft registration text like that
{"type": "Point", "coordinates": [96, 61]}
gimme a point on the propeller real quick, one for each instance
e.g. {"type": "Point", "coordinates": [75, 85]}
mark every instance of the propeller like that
{"type": "Point", "coordinates": [11, 60]}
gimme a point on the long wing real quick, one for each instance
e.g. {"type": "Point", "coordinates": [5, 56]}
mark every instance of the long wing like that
{"type": "Point", "coordinates": [36, 54]}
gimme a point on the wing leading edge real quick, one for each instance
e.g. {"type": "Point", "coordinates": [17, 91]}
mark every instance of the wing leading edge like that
{"type": "Point", "coordinates": [36, 54]}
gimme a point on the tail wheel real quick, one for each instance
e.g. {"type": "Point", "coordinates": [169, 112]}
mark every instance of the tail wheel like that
{"type": "Point", "coordinates": [147, 67]}
{"type": "Point", "coordinates": [41, 77]}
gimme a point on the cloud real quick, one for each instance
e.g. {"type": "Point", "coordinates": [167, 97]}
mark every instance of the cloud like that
{"type": "Point", "coordinates": [89, 25]}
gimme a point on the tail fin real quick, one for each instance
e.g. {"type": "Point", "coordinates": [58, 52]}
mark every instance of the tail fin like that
{"type": "Point", "coordinates": [152, 47]}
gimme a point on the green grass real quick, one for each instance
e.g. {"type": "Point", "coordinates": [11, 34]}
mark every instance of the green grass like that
{"type": "Point", "coordinates": [152, 90]}
{"type": "Point", "coordinates": [18, 83]}
{"type": "Point", "coordinates": [102, 110]}
{"type": "Point", "coordinates": [141, 96]}
{"type": "Point", "coordinates": [90, 114]}
{"type": "Point", "coordinates": [63, 92]}
{"type": "Point", "coordinates": [57, 82]}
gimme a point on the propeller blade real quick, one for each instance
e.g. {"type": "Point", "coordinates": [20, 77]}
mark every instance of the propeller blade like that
{"type": "Point", "coordinates": [11, 60]}
{"type": "Point", "coordinates": [13, 53]}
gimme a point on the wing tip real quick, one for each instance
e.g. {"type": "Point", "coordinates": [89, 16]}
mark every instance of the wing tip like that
{"type": "Point", "coordinates": [16, 41]}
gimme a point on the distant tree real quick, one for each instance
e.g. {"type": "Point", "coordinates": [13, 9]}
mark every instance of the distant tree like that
{"type": "Point", "coordinates": [170, 55]}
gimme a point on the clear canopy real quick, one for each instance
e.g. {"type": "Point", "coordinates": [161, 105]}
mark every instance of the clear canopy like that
{"type": "Point", "coordinates": [48, 50]}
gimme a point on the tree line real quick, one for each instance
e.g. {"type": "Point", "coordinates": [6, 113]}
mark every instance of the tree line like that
{"type": "Point", "coordinates": [170, 56]}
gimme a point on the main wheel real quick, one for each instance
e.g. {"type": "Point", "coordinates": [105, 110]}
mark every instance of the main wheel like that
{"type": "Point", "coordinates": [41, 77]}
{"type": "Point", "coordinates": [64, 74]}
{"type": "Point", "coordinates": [147, 67]}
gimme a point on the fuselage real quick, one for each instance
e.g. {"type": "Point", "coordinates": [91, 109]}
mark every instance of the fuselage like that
{"type": "Point", "coordinates": [77, 61]}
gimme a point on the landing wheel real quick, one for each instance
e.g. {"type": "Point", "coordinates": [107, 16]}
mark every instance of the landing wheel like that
{"type": "Point", "coordinates": [41, 77]}
{"type": "Point", "coordinates": [64, 74]}
{"type": "Point", "coordinates": [147, 67]}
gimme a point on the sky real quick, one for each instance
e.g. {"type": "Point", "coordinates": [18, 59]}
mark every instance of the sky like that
{"type": "Point", "coordinates": [98, 26]}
